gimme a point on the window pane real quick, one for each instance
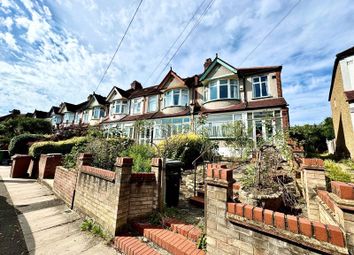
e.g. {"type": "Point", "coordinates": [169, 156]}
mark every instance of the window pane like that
{"type": "Point", "coordinates": [264, 78]}
{"type": "Point", "coordinates": [223, 91]}
{"type": "Point", "coordinates": [223, 82]}
{"type": "Point", "coordinates": [264, 89]}
{"type": "Point", "coordinates": [213, 92]}
{"type": "Point", "coordinates": [256, 90]}
{"type": "Point", "coordinates": [185, 97]}
{"type": "Point", "coordinates": [176, 97]}
{"type": "Point", "coordinates": [152, 103]}
{"type": "Point", "coordinates": [256, 79]}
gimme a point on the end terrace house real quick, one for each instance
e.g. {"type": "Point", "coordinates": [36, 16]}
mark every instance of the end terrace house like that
{"type": "Point", "coordinates": [221, 94]}
{"type": "Point", "coordinates": [341, 97]}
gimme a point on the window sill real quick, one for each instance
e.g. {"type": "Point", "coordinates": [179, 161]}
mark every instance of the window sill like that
{"type": "Point", "coordinates": [222, 99]}
{"type": "Point", "coordinates": [172, 106]}
{"type": "Point", "coordinates": [257, 98]}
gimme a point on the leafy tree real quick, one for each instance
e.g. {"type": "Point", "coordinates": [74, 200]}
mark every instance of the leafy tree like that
{"type": "Point", "coordinates": [313, 137]}
{"type": "Point", "coordinates": [237, 137]}
{"type": "Point", "coordinates": [22, 125]}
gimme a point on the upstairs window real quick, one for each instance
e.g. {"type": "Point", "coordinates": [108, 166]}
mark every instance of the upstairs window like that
{"type": "Point", "coordinates": [85, 118]}
{"type": "Point", "coordinates": [222, 89]}
{"type": "Point", "coordinates": [152, 107]}
{"type": "Point", "coordinates": [120, 107]}
{"type": "Point", "coordinates": [69, 117]}
{"type": "Point", "coordinates": [136, 106]}
{"type": "Point", "coordinates": [260, 86]}
{"type": "Point", "coordinates": [97, 112]}
{"type": "Point", "coordinates": [176, 97]}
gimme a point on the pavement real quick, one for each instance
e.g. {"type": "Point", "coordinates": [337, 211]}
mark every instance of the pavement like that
{"type": "Point", "coordinates": [34, 221]}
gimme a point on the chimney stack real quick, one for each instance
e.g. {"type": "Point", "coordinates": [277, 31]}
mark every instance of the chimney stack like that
{"type": "Point", "coordinates": [207, 63]}
{"type": "Point", "coordinates": [136, 85]}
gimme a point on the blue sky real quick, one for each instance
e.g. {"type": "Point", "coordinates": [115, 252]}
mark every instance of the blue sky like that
{"type": "Point", "coordinates": [56, 50]}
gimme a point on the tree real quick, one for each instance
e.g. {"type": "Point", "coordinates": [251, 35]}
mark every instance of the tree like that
{"type": "Point", "coordinates": [237, 137]}
{"type": "Point", "coordinates": [313, 137]}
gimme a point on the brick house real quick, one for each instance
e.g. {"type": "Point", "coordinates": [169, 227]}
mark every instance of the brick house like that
{"type": "Point", "coordinates": [88, 113]}
{"type": "Point", "coordinates": [221, 94]}
{"type": "Point", "coordinates": [341, 97]}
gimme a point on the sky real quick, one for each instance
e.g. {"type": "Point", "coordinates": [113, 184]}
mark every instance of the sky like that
{"type": "Point", "coordinates": [53, 51]}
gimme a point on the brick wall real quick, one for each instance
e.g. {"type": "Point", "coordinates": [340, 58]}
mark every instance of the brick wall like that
{"type": "Point", "coordinates": [235, 228]}
{"type": "Point", "coordinates": [113, 198]}
{"type": "Point", "coordinates": [96, 196]}
{"type": "Point", "coordinates": [143, 195]}
{"type": "Point", "coordinates": [48, 164]}
{"type": "Point", "coordinates": [64, 184]}
{"type": "Point", "coordinates": [338, 208]}
{"type": "Point", "coordinates": [313, 177]}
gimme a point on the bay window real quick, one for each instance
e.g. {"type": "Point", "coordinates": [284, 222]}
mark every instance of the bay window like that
{"type": "Point", "coordinates": [69, 117]}
{"type": "Point", "coordinates": [152, 106]}
{"type": "Point", "coordinates": [120, 107]}
{"type": "Point", "coordinates": [136, 107]}
{"type": "Point", "coordinates": [97, 112]}
{"type": "Point", "coordinates": [222, 89]}
{"type": "Point", "coordinates": [176, 97]}
{"type": "Point", "coordinates": [260, 86]}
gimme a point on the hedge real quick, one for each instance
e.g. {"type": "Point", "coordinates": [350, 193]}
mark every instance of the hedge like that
{"type": "Point", "coordinates": [63, 147]}
{"type": "Point", "coordinates": [19, 144]}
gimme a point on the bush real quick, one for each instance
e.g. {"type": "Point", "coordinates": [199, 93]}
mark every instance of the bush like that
{"type": "Point", "coordinates": [70, 159]}
{"type": "Point", "coordinates": [335, 172]}
{"type": "Point", "coordinates": [20, 144]}
{"type": "Point", "coordinates": [63, 147]}
{"type": "Point", "coordinates": [142, 155]}
{"type": "Point", "coordinates": [186, 148]}
{"type": "Point", "coordinates": [105, 151]}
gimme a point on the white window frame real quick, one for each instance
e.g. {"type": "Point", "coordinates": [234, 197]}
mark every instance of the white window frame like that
{"type": "Point", "coordinates": [69, 117]}
{"type": "Point", "coordinates": [180, 98]}
{"type": "Point", "coordinates": [207, 90]}
{"type": "Point", "coordinates": [260, 84]}
{"type": "Point", "coordinates": [156, 102]}
{"type": "Point", "coordinates": [100, 112]}
{"type": "Point", "coordinates": [120, 103]}
{"type": "Point", "coordinates": [85, 116]}
{"type": "Point", "coordinates": [134, 103]}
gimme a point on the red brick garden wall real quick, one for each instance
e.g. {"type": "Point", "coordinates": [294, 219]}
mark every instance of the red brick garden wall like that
{"type": "Point", "coordinates": [235, 228]}
{"type": "Point", "coordinates": [64, 184]}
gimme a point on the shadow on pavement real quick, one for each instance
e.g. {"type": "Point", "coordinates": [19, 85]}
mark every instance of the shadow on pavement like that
{"type": "Point", "coordinates": [12, 240]}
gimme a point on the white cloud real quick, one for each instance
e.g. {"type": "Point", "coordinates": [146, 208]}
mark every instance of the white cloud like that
{"type": "Point", "coordinates": [67, 44]}
{"type": "Point", "coordinates": [10, 40]}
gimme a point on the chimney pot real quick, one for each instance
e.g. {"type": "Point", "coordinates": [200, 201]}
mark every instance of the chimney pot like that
{"type": "Point", "coordinates": [207, 63]}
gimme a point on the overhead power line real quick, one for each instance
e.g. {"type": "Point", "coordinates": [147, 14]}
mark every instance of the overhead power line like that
{"type": "Point", "coordinates": [119, 44]}
{"type": "Point", "coordinates": [189, 33]}
{"type": "Point", "coordinates": [271, 31]}
{"type": "Point", "coordinates": [176, 40]}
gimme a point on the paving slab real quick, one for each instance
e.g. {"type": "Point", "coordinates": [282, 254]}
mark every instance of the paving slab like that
{"type": "Point", "coordinates": [34, 221]}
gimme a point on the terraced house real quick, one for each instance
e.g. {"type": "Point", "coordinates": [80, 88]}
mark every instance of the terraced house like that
{"type": "Point", "coordinates": [221, 94]}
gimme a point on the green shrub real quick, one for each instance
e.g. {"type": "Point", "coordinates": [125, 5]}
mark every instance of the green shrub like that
{"type": "Point", "coordinates": [186, 148]}
{"type": "Point", "coordinates": [335, 172]}
{"type": "Point", "coordinates": [142, 155]}
{"type": "Point", "coordinates": [70, 159]}
{"type": "Point", "coordinates": [105, 151]}
{"type": "Point", "coordinates": [20, 144]}
{"type": "Point", "coordinates": [63, 147]}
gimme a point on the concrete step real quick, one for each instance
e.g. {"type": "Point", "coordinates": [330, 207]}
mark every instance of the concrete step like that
{"type": "Point", "coordinates": [131, 245]}
{"type": "Point", "coordinates": [172, 242]}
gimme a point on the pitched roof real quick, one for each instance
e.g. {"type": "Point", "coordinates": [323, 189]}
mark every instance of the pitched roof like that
{"type": "Point", "coordinates": [170, 74]}
{"type": "Point", "coordinates": [245, 71]}
{"type": "Point", "coordinates": [339, 57]}
{"type": "Point", "coordinates": [73, 107]}
{"type": "Point", "coordinates": [349, 95]}
{"type": "Point", "coordinates": [54, 109]}
{"type": "Point", "coordinates": [241, 71]}
{"type": "Point", "coordinates": [100, 99]}
{"type": "Point", "coordinates": [153, 90]}
{"type": "Point", "coordinates": [40, 114]}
